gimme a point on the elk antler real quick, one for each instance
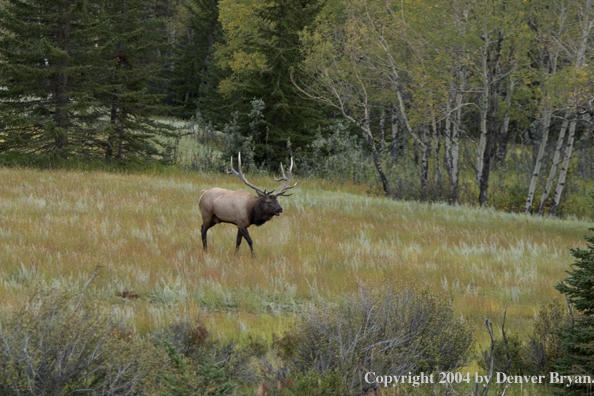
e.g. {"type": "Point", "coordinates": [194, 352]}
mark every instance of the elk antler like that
{"type": "Point", "coordinates": [286, 179]}
{"type": "Point", "coordinates": [242, 177]}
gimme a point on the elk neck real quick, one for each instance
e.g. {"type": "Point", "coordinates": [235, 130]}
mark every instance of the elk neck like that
{"type": "Point", "coordinates": [257, 215]}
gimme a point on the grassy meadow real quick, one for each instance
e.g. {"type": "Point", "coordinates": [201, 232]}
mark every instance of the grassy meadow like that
{"type": "Point", "coordinates": [143, 233]}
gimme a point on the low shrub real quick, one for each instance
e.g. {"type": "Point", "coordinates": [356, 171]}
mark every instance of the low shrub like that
{"type": "Point", "coordinates": [60, 344]}
{"type": "Point", "coordinates": [185, 378]}
{"type": "Point", "coordinates": [535, 355]}
{"type": "Point", "coordinates": [383, 330]}
{"type": "Point", "coordinates": [544, 345]}
{"type": "Point", "coordinates": [204, 365]}
{"type": "Point", "coordinates": [508, 356]}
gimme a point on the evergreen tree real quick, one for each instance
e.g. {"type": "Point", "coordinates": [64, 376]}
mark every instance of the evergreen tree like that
{"type": "Point", "coordinates": [77, 75]}
{"type": "Point", "coordinates": [288, 116]}
{"type": "Point", "coordinates": [261, 52]}
{"type": "Point", "coordinates": [193, 57]}
{"type": "Point", "coordinates": [578, 339]}
{"type": "Point", "coordinates": [132, 40]}
{"type": "Point", "coordinates": [48, 56]}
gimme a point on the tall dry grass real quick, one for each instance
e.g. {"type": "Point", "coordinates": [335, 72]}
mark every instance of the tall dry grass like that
{"type": "Point", "coordinates": [143, 230]}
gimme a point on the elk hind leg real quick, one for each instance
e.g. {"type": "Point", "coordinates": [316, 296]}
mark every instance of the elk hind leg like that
{"type": "Point", "coordinates": [205, 227]}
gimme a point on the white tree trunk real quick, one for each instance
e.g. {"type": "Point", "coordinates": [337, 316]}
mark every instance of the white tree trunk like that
{"type": "Point", "coordinates": [460, 18]}
{"type": "Point", "coordinates": [455, 149]}
{"type": "Point", "coordinates": [564, 167]}
{"type": "Point", "coordinates": [484, 107]}
{"type": "Point", "coordinates": [436, 146]}
{"type": "Point", "coordinates": [546, 121]}
{"type": "Point", "coordinates": [452, 134]}
{"type": "Point", "coordinates": [447, 156]}
{"type": "Point", "coordinates": [554, 166]}
{"type": "Point", "coordinates": [395, 138]}
{"type": "Point", "coordinates": [425, 159]}
{"type": "Point", "coordinates": [551, 66]}
{"type": "Point", "coordinates": [395, 80]}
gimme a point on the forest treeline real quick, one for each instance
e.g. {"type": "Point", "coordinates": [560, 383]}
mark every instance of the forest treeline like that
{"type": "Point", "coordinates": [464, 101]}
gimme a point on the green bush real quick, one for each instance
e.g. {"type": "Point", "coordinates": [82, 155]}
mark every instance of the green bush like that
{"type": "Point", "coordinates": [511, 197]}
{"type": "Point", "coordinates": [544, 346]}
{"type": "Point", "coordinates": [508, 357]}
{"type": "Point", "coordinates": [60, 344]}
{"type": "Point", "coordinates": [538, 354]}
{"type": "Point", "coordinates": [383, 330]}
{"type": "Point", "coordinates": [336, 154]}
{"type": "Point", "coordinates": [200, 362]}
{"type": "Point", "coordinates": [188, 379]}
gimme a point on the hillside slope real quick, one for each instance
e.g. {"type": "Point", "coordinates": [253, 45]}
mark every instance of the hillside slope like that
{"type": "Point", "coordinates": [143, 231]}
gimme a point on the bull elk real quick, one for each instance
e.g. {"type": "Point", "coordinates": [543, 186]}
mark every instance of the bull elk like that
{"type": "Point", "coordinates": [239, 207]}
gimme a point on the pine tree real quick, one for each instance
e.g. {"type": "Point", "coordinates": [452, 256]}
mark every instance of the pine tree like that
{"type": "Point", "coordinates": [289, 117]}
{"type": "Point", "coordinates": [578, 339]}
{"type": "Point", "coordinates": [131, 42]}
{"type": "Point", "coordinates": [260, 53]}
{"type": "Point", "coordinates": [48, 53]}
{"type": "Point", "coordinates": [77, 77]}
{"type": "Point", "coordinates": [193, 56]}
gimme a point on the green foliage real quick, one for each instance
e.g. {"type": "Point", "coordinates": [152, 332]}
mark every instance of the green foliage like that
{"type": "Point", "coordinates": [591, 199]}
{"type": "Point", "coordinates": [383, 330]}
{"type": "Point", "coordinates": [317, 384]}
{"type": "Point", "coordinates": [130, 42]}
{"type": "Point", "coordinates": [193, 79]}
{"type": "Point", "coordinates": [544, 346]}
{"type": "Point", "coordinates": [235, 142]}
{"type": "Point", "coordinates": [199, 149]}
{"type": "Point", "coordinates": [66, 344]}
{"type": "Point", "coordinates": [49, 161]}
{"type": "Point", "coordinates": [510, 196]}
{"type": "Point", "coordinates": [201, 364]}
{"type": "Point", "coordinates": [47, 52]}
{"type": "Point", "coordinates": [87, 79]}
{"type": "Point", "coordinates": [534, 356]}
{"type": "Point", "coordinates": [578, 338]}
{"type": "Point", "coordinates": [507, 356]}
{"type": "Point", "coordinates": [260, 48]}
{"type": "Point", "coordinates": [337, 155]}
{"type": "Point", "coordinates": [76, 76]}
{"type": "Point", "coordinates": [206, 379]}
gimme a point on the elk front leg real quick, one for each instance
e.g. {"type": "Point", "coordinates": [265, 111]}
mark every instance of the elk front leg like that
{"type": "Point", "coordinates": [239, 236]}
{"type": "Point", "coordinates": [244, 232]}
